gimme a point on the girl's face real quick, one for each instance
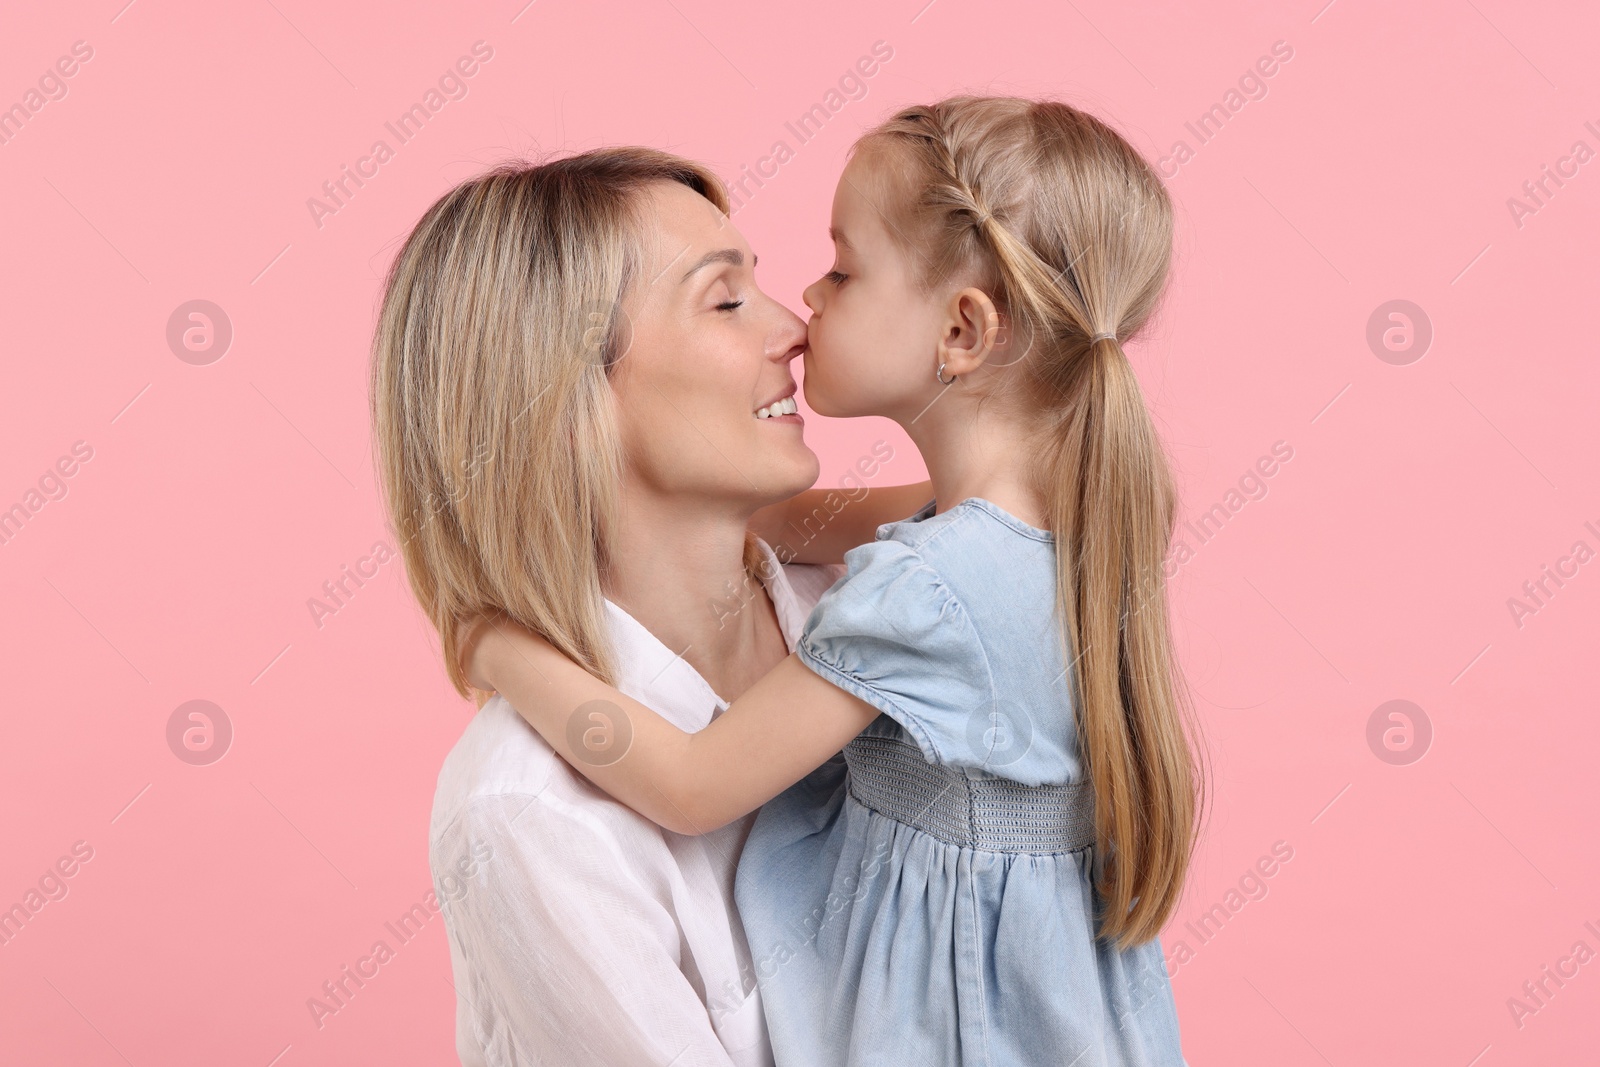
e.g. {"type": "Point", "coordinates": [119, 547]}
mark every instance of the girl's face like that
{"type": "Point", "coordinates": [708, 351]}
{"type": "Point", "coordinates": [873, 335]}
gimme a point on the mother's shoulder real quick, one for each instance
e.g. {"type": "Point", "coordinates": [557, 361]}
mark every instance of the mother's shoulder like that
{"type": "Point", "coordinates": [503, 779]}
{"type": "Point", "coordinates": [498, 754]}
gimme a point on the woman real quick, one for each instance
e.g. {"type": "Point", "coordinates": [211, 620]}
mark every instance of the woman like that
{"type": "Point", "coordinates": [579, 396]}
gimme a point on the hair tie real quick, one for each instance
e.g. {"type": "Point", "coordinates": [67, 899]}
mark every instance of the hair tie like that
{"type": "Point", "coordinates": [1097, 337]}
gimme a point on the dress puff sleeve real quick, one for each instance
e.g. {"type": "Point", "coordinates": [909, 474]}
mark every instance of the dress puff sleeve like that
{"type": "Point", "coordinates": [893, 634]}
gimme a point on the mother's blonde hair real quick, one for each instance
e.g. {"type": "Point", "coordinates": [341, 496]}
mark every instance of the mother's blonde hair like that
{"type": "Point", "coordinates": [497, 445]}
{"type": "Point", "coordinates": [1053, 213]}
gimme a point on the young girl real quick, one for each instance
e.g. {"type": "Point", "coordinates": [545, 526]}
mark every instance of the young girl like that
{"type": "Point", "coordinates": [982, 878]}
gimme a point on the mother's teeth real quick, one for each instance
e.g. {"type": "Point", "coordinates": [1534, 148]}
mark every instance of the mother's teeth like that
{"type": "Point", "coordinates": [786, 406]}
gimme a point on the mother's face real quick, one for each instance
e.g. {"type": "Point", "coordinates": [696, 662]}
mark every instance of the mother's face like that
{"type": "Point", "coordinates": [708, 350]}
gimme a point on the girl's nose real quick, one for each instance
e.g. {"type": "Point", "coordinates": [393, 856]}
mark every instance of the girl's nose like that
{"type": "Point", "coordinates": [812, 295]}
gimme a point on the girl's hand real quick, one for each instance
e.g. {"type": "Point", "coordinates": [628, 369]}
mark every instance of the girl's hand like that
{"type": "Point", "coordinates": [821, 525]}
{"type": "Point", "coordinates": [477, 647]}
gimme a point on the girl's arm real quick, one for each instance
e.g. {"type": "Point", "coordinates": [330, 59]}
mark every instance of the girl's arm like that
{"type": "Point", "coordinates": [782, 728]}
{"type": "Point", "coordinates": [820, 525]}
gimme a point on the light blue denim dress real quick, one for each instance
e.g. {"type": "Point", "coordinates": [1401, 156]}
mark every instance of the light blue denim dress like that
{"type": "Point", "coordinates": [925, 897]}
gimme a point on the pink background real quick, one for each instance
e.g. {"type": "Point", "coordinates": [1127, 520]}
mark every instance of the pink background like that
{"type": "Point", "coordinates": [1420, 496]}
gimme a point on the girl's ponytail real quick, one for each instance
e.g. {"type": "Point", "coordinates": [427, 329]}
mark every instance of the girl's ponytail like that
{"type": "Point", "coordinates": [1112, 505]}
{"type": "Point", "coordinates": [1055, 214]}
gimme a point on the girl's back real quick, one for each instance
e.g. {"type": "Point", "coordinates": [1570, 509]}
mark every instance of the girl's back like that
{"type": "Point", "coordinates": [931, 901]}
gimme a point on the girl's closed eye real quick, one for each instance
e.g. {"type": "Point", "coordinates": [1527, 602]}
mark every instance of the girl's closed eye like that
{"type": "Point", "coordinates": [835, 277]}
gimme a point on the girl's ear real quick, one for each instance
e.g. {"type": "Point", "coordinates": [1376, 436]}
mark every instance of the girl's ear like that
{"type": "Point", "coordinates": [971, 332]}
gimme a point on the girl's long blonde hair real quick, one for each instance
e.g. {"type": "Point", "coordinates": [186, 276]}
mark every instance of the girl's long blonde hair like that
{"type": "Point", "coordinates": [1062, 221]}
{"type": "Point", "coordinates": [496, 441]}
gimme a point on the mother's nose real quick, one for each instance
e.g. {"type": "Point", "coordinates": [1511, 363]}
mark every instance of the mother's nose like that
{"type": "Point", "coordinates": [788, 338]}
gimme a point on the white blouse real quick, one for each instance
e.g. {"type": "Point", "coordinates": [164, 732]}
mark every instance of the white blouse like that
{"type": "Point", "coordinates": [580, 932]}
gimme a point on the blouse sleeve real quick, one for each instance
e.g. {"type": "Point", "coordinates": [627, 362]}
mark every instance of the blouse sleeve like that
{"type": "Point", "coordinates": [566, 961]}
{"type": "Point", "coordinates": [891, 633]}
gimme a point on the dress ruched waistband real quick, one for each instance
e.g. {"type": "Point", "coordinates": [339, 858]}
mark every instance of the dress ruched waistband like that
{"type": "Point", "coordinates": [992, 814]}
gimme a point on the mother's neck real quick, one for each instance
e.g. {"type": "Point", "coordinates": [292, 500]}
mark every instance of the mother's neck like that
{"type": "Point", "coordinates": [677, 567]}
